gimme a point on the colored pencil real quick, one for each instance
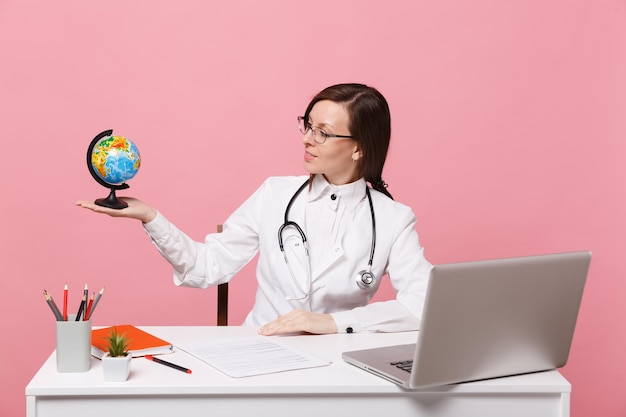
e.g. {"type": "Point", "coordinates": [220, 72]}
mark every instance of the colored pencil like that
{"type": "Point", "coordinates": [95, 303]}
{"type": "Point", "coordinates": [83, 303]}
{"type": "Point", "coordinates": [89, 305]}
{"type": "Point", "coordinates": [53, 306]}
{"type": "Point", "coordinates": [65, 293]}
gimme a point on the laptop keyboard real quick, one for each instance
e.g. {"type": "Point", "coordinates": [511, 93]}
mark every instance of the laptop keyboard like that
{"type": "Point", "coordinates": [404, 365]}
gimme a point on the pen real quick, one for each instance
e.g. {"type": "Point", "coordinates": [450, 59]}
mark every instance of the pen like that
{"type": "Point", "coordinates": [53, 306]}
{"type": "Point", "coordinates": [95, 303]}
{"type": "Point", "coordinates": [65, 291]}
{"type": "Point", "coordinates": [166, 363]}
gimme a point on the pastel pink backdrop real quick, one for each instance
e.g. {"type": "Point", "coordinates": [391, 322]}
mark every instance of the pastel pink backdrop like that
{"type": "Point", "coordinates": [508, 139]}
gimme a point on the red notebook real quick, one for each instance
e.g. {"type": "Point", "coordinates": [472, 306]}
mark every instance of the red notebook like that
{"type": "Point", "coordinates": [141, 343]}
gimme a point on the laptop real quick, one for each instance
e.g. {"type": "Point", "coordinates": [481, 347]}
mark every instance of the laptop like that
{"type": "Point", "coordinates": [488, 319]}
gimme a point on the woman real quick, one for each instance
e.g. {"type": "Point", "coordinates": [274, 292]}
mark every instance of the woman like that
{"type": "Point", "coordinates": [336, 238]}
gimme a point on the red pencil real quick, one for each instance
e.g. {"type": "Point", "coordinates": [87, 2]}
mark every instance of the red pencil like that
{"type": "Point", "coordinates": [89, 304]}
{"type": "Point", "coordinates": [65, 302]}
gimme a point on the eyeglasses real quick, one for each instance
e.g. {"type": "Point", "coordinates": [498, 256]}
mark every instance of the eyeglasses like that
{"type": "Point", "coordinates": [318, 134]}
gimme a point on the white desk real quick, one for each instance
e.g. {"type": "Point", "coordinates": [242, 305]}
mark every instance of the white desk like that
{"type": "Point", "coordinates": [336, 390]}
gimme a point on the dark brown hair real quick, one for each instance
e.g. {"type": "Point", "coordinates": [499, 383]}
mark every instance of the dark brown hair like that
{"type": "Point", "coordinates": [370, 126]}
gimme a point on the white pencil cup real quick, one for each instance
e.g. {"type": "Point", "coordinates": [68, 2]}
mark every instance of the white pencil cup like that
{"type": "Point", "coordinates": [73, 343]}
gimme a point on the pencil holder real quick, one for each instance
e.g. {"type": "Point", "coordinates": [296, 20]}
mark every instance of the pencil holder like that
{"type": "Point", "coordinates": [73, 343]}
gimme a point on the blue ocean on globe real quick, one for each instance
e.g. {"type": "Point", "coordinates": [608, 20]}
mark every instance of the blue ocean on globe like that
{"type": "Point", "coordinates": [115, 159]}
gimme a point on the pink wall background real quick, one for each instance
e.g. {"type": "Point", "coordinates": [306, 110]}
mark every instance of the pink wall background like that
{"type": "Point", "coordinates": [508, 139]}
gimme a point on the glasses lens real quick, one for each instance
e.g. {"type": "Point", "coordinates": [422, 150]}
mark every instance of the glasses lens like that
{"type": "Point", "coordinates": [319, 136]}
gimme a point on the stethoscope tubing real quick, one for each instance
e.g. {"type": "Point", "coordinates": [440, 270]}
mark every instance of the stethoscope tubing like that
{"type": "Point", "coordinates": [288, 223]}
{"type": "Point", "coordinates": [363, 281]}
{"type": "Point", "coordinates": [373, 248]}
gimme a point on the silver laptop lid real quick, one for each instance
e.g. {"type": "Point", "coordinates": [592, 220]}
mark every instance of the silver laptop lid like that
{"type": "Point", "coordinates": [502, 317]}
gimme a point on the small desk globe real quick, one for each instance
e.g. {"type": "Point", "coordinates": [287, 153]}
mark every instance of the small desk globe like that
{"type": "Point", "coordinates": [112, 160]}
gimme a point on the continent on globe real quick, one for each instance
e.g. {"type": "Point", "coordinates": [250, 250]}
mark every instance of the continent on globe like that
{"type": "Point", "coordinates": [115, 159]}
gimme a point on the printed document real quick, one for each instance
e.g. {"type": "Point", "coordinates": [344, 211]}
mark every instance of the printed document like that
{"type": "Point", "coordinates": [248, 356]}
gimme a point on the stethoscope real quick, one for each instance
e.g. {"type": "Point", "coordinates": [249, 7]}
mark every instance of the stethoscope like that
{"type": "Point", "coordinates": [365, 279]}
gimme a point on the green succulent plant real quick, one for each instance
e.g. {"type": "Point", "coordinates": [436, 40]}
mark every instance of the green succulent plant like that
{"type": "Point", "coordinates": [117, 344]}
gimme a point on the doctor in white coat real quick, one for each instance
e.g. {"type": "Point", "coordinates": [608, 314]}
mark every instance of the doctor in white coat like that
{"type": "Point", "coordinates": [325, 241]}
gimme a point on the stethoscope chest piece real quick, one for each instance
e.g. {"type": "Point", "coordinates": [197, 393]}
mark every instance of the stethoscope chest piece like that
{"type": "Point", "coordinates": [365, 279]}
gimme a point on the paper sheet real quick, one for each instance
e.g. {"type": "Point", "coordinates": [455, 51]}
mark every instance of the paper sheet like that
{"type": "Point", "coordinates": [248, 356]}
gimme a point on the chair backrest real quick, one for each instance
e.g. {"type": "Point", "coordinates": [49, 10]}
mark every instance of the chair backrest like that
{"type": "Point", "coordinates": [222, 298]}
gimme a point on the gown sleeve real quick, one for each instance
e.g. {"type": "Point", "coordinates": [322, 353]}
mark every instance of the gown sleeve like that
{"type": "Point", "coordinates": [220, 256]}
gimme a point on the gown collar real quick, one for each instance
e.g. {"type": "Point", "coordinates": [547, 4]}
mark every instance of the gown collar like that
{"type": "Point", "coordinates": [348, 194]}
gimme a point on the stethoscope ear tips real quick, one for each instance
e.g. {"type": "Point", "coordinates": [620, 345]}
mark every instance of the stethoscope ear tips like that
{"type": "Point", "coordinates": [365, 280]}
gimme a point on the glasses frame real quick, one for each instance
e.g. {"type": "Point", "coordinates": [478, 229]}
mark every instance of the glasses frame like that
{"type": "Point", "coordinates": [322, 133]}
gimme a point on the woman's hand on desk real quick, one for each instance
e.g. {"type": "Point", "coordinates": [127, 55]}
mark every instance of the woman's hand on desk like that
{"type": "Point", "coordinates": [136, 209]}
{"type": "Point", "coordinates": [300, 321]}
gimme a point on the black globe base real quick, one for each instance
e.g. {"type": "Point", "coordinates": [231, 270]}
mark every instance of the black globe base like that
{"type": "Point", "coordinates": [111, 201]}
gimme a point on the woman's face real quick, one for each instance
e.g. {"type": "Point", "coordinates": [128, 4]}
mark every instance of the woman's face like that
{"type": "Point", "coordinates": [337, 158]}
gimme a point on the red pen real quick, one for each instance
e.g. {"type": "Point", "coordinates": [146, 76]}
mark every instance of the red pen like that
{"type": "Point", "coordinates": [166, 363]}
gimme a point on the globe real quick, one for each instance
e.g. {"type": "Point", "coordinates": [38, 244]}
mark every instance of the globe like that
{"type": "Point", "coordinates": [112, 160]}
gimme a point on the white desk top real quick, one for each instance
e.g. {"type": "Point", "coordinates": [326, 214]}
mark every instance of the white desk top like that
{"type": "Point", "coordinates": [148, 378]}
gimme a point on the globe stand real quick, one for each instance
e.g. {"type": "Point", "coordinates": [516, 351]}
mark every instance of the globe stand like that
{"type": "Point", "coordinates": [111, 201]}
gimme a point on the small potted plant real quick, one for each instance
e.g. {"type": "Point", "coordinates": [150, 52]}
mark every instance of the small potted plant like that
{"type": "Point", "coordinates": [116, 360]}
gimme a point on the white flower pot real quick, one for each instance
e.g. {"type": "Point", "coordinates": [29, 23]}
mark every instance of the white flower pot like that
{"type": "Point", "coordinates": [116, 369]}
